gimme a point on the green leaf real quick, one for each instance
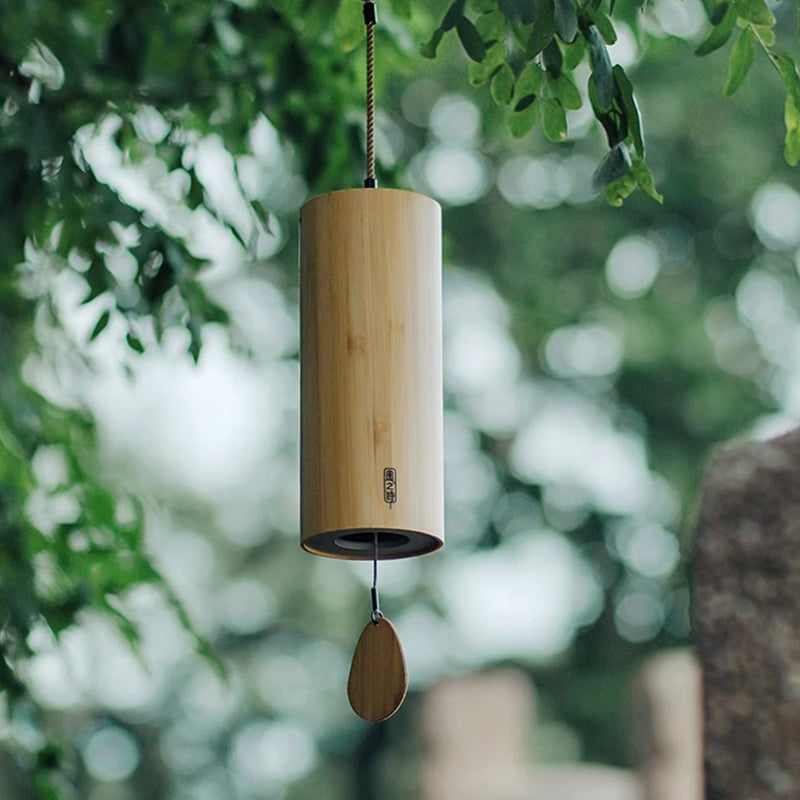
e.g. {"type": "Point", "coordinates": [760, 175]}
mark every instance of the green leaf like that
{"type": "Point", "coordinates": [719, 34]}
{"type": "Point", "coordinates": [645, 179]}
{"type": "Point", "coordinates": [195, 339]}
{"type": "Point", "coordinates": [552, 59]}
{"type": "Point", "coordinates": [348, 27]}
{"type": "Point", "coordinates": [574, 53]}
{"type": "Point", "coordinates": [564, 88]}
{"type": "Point", "coordinates": [625, 88]}
{"type": "Point", "coordinates": [755, 11]}
{"type": "Point", "coordinates": [481, 71]}
{"type": "Point", "coordinates": [566, 19]}
{"type": "Point", "coordinates": [601, 69]}
{"type": "Point", "coordinates": [614, 124]}
{"type": "Point", "coordinates": [717, 11]}
{"type": "Point", "coordinates": [100, 325]}
{"type": "Point", "coordinates": [134, 342]}
{"type": "Point", "coordinates": [453, 15]}
{"type": "Point", "coordinates": [791, 149]}
{"type": "Point", "coordinates": [525, 102]}
{"type": "Point", "coordinates": [528, 84]}
{"type": "Point", "coordinates": [524, 120]}
{"type": "Point", "coordinates": [554, 120]}
{"type": "Point", "coordinates": [521, 35]}
{"type": "Point", "coordinates": [621, 188]}
{"type": "Point", "coordinates": [740, 61]}
{"type": "Point", "coordinates": [521, 11]}
{"type": "Point", "coordinates": [428, 50]}
{"type": "Point", "coordinates": [483, 6]}
{"type": "Point", "coordinates": [765, 35]}
{"type": "Point", "coordinates": [503, 85]}
{"type": "Point", "coordinates": [471, 40]}
{"type": "Point", "coordinates": [491, 27]}
{"type": "Point", "coordinates": [98, 506]}
{"type": "Point", "coordinates": [603, 25]}
{"type": "Point", "coordinates": [615, 165]}
{"type": "Point", "coordinates": [544, 28]}
{"type": "Point", "coordinates": [788, 71]}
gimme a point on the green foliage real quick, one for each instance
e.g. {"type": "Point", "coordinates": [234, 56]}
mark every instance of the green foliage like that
{"type": "Point", "coordinates": [349, 27]}
{"type": "Point", "coordinates": [787, 69]}
{"type": "Point", "coordinates": [602, 72]}
{"type": "Point", "coordinates": [644, 179]}
{"type": "Point", "coordinates": [65, 76]}
{"type": "Point", "coordinates": [471, 39]}
{"type": "Point", "coordinates": [544, 28]}
{"type": "Point", "coordinates": [554, 120]}
{"type": "Point", "coordinates": [450, 20]}
{"type": "Point", "coordinates": [755, 12]}
{"type": "Point", "coordinates": [741, 60]}
{"type": "Point", "coordinates": [565, 19]}
{"type": "Point", "coordinates": [565, 91]}
{"type": "Point", "coordinates": [503, 85]}
{"type": "Point", "coordinates": [614, 173]}
{"type": "Point", "coordinates": [525, 116]}
{"type": "Point", "coordinates": [792, 122]}
{"type": "Point", "coordinates": [757, 26]}
{"type": "Point", "coordinates": [556, 38]}
{"type": "Point", "coordinates": [721, 32]}
{"type": "Point", "coordinates": [629, 108]}
{"type": "Point", "coordinates": [559, 35]}
{"type": "Point", "coordinates": [50, 576]}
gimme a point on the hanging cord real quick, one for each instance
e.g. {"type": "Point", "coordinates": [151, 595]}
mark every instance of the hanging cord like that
{"type": "Point", "coordinates": [370, 20]}
{"type": "Point", "coordinates": [377, 614]}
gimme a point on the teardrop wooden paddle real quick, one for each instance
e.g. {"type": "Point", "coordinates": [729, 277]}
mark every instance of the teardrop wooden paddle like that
{"type": "Point", "coordinates": [378, 679]}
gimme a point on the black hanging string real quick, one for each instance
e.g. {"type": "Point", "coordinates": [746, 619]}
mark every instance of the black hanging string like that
{"type": "Point", "coordinates": [370, 20]}
{"type": "Point", "coordinates": [376, 609]}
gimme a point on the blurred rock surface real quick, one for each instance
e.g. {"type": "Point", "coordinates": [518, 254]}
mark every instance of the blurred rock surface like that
{"type": "Point", "coordinates": [747, 615]}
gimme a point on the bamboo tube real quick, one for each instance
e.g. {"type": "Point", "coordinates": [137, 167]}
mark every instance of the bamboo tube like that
{"type": "Point", "coordinates": [371, 374]}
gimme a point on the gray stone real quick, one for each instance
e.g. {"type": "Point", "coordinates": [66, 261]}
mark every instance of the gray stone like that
{"type": "Point", "coordinates": [747, 617]}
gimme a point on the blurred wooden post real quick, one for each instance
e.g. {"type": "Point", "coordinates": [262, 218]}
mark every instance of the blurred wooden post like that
{"type": "Point", "coordinates": [476, 733]}
{"type": "Point", "coordinates": [668, 717]}
{"type": "Point", "coordinates": [747, 609]}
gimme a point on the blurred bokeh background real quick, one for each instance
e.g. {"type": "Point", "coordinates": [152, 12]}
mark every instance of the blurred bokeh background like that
{"type": "Point", "coordinates": [163, 634]}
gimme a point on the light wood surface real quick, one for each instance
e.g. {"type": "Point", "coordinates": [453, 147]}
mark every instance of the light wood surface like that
{"type": "Point", "coordinates": [378, 679]}
{"type": "Point", "coordinates": [371, 374]}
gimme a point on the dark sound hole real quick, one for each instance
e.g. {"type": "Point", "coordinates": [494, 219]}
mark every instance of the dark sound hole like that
{"type": "Point", "coordinates": [365, 540]}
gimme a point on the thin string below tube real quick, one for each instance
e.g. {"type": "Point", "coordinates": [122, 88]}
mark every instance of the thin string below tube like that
{"type": "Point", "coordinates": [376, 610]}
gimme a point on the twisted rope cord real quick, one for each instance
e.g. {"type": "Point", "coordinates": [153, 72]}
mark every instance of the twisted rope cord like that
{"type": "Point", "coordinates": [370, 21]}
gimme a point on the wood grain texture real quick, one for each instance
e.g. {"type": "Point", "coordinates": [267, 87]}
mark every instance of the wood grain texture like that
{"type": "Point", "coordinates": [371, 373]}
{"type": "Point", "coordinates": [378, 679]}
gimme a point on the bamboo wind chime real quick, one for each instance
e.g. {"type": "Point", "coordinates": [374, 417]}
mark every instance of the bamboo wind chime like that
{"type": "Point", "coordinates": [371, 392]}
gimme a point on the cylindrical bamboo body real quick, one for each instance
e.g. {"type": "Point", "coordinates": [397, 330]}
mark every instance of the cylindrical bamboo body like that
{"type": "Point", "coordinates": [371, 374]}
